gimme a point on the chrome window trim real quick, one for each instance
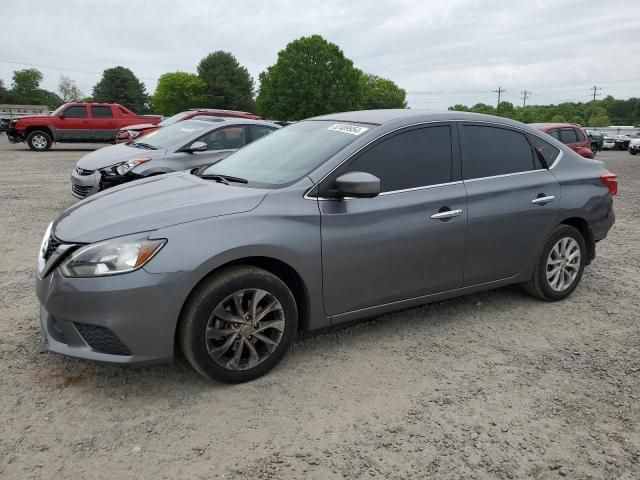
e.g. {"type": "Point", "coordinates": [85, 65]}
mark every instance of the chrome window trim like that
{"type": "Point", "coordinates": [514, 127]}
{"type": "Point", "coordinates": [513, 174]}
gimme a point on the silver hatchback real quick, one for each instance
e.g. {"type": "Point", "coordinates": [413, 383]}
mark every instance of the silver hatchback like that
{"type": "Point", "coordinates": [180, 146]}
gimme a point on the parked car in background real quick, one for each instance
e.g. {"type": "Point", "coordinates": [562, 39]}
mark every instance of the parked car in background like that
{"type": "Point", "coordinates": [570, 134]}
{"type": "Point", "coordinates": [181, 146]}
{"type": "Point", "coordinates": [134, 131]}
{"type": "Point", "coordinates": [634, 146]}
{"type": "Point", "coordinates": [622, 142]}
{"type": "Point", "coordinates": [608, 143]}
{"type": "Point", "coordinates": [325, 221]}
{"type": "Point", "coordinates": [595, 139]}
{"type": "Point", "coordinates": [74, 122]}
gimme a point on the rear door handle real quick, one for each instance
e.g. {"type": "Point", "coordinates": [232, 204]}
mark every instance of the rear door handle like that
{"type": "Point", "coordinates": [546, 199]}
{"type": "Point", "coordinates": [446, 214]}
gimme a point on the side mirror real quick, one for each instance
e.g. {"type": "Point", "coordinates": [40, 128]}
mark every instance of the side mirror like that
{"type": "Point", "coordinates": [197, 147]}
{"type": "Point", "coordinates": [357, 185]}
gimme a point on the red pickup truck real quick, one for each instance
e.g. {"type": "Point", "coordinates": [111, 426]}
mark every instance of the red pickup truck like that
{"type": "Point", "coordinates": [75, 122]}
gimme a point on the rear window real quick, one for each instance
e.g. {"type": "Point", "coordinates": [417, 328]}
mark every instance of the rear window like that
{"type": "Point", "coordinates": [101, 111]}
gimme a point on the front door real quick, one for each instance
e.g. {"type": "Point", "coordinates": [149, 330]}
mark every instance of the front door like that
{"type": "Point", "coordinates": [221, 143]}
{"type": "Point", "coordinates": [512, 200]}
{"type": "Point", "coordinates": [406, 242]}
{"type": "Point", "coordinates": [73, 124]}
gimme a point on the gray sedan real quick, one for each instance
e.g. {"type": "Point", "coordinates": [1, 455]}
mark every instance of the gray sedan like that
{"type": "Point", "coordinates": [325, 221]}
{"type": "Point", "coordinates": [180, 146]}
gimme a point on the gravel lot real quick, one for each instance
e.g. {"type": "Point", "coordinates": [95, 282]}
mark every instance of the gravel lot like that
{"type": "Point", "coordinates": [492, 385]}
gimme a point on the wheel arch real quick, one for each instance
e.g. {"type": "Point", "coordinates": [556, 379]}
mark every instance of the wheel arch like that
{"type": "Point", "coordinates": [582, 226]}
{"type": "Point", "coordinates": [277, 267]}
{"type": "Point", "coordinates": [44, 129]}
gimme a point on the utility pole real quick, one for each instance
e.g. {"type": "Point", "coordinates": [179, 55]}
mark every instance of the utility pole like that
{"type": "Point", "coordinates": [595, 90]}
{"type": "Point", "coordinates": [499, 91]}
{"type": "Point", "coordinates": [525, 94]}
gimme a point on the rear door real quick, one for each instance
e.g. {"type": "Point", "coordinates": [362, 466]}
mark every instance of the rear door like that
{"type": "Point", "coordinates": [73, 124]}
{"type": "Point", "coordinates": [406, 242]}
{"type": "Point", "coordinates": [103, 125]}
{"type": "Point", "coordinates": [221, 143]}
{"type": "Point", "coordinates": [512, 201]}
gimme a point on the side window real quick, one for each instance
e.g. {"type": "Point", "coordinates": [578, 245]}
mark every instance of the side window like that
{"type": "Point", "coordinates": [579, 134]}
{"type": "Point", "coordinates": [76, 111]}
{"type": "Point", "coordinates": [568, 135]}
{"type": "Point", "coordinates": [415, 158]}
{"type": "Point", "coordinates": [493, 151]}
{"type": "Point", "coordinates": [224, 138]}
{"type": "Point", "coordinates": [101, 111]}
{"type": "Point", "coordinates": [259, 131]}
{"type": "Point", "coordinates": [554, 134]}
{"type": "Point", "coordinates": [548, 151]}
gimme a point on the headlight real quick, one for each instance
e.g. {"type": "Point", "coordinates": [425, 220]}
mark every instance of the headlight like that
{"type": "Point", "coordinates": [111, 257]}
{"type": "Point", "coordinates": [133, 133]}
{"type": "Point", "coordinates": [127, 166]}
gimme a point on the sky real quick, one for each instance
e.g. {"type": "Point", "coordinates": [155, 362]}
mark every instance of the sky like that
{"type": "Point", "coordinates": [440, 52]}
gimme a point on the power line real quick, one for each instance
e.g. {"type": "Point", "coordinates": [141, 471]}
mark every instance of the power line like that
{"type": "Point", "coordinates": [525, 94]}
{"type": "Point", "coordinates": [595, 90]}
{"type": "Point", "coordinates": [58, 68]}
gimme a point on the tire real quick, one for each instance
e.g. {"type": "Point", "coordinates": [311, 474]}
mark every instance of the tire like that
{"type": "Point", "coordinates": [632, 152]}
{"type": "Point", "coordinates": [39, 141]}
{"type": "Point", "coordinates": [542, 287]}
{"type": "Point", "coordinates": [213, 310]}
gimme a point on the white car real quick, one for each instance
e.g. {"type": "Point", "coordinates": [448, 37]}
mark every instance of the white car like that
{"type": "Point", "coordinates": [634, 146]}
{"type": "Point", "coordinates": [608, 143]}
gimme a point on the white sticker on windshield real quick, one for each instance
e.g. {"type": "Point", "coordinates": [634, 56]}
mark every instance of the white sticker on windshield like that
{"type": "Point", "coordinates": [189, 130]}
{"type": "Point", "coordinates": [346, 128]}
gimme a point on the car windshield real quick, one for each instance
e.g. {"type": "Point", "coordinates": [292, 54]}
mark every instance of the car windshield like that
{"type": "Point", "coordinates": [173, 119]}
{"type": "Point", "coordinates": [168, 136]}
{"type": "Point", "coordinates": [289, 153]}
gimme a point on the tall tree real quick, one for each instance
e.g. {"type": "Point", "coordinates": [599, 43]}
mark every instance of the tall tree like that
{"type": "Point", "coordinates": [25, 86]}
{"type": "Point", "coordinates": [311, 77]}
{"type": "Point", "coordinates": [68, 90]}
{"type": "Point", "coordinates": [228, 84]}
{"type": "Point", "coordinates": [178, 91]}
{"type": "Point", "coordinates": [379, 92]}
{"type": "Point", "coordinates": [120, 85]}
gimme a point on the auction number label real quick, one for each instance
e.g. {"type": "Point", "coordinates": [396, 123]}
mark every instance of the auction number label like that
{"type": "Point", "coordinates": [346, 128]}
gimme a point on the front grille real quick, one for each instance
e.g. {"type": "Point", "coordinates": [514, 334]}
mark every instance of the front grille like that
{"type": "Point", "coordinates": [101, 339]}
{"type": "Point", "coordinates": [82, 171]}
{"type": "Point", "coordinates": [80, 190]}
{"type": "Point", "coordinates": [52, 246]}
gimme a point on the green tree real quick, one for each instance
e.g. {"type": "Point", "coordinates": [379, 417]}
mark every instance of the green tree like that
{"type": "Point", "coordinates": [120, 85]}
{"type": "Point", "coordinates": [228, 84]}
{"type": "Point", "coordinates": [311, 77]}
{"type": "Point", "coordinates": [178, 91]}
{"type": "Point", "coordinates": [68, 90]}
{"type": "Point", "coordinates": [506, 109]}
{"type": "Point", "coordinates": [458, 108]}
{"type": "Point", "coordinates": [483, 108]}
{"type": "Point", "coordinates": [379, 92]}
{"type": "Point", "coordinates": [25, 86]}
{"type": "Point", "coordinates": [558, 119]}
{"type": "Point", "coordinates": [50, 99]}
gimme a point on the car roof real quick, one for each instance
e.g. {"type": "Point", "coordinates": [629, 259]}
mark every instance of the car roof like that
{"type": "Point", "coordinates": [408, 116]}
{"type": "Point", "coordinates": [231, 120]}
{"type": "Point", "coordinates": [549, 126]}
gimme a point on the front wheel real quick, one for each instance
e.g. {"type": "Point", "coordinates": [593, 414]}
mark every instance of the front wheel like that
{"type": "Point", "coordinates": [238, 324]}
{"type": "Point", "coordinates": [39, 141]}
{"type": "Point", "coordinates": [560, 266]}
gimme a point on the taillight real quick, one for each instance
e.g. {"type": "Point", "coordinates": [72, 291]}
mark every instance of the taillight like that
{"type": "Point", "coordinates": [611, 182]}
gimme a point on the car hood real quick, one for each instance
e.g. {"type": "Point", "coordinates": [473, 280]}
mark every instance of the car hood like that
{"type": "Point", "coordinates": [140, 126]}
{"type": "Point", "coordinates": [152, 203]}
{"type": "Point", "coordinates": [106, 156]}
{"type": "Point", "coordinates": [32, 117]}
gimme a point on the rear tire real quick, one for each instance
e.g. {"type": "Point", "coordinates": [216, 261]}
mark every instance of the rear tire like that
{"type": "Point", "coordinates": [39, 141]}
{"type": "Point", "coordinates": [560, 266]}
{"type": "Point", "coordinates": [225, 337]}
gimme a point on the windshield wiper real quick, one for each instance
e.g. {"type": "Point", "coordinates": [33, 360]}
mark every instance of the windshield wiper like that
{"type": "Point", "coordinates": [223, 178]}
{"type": "Point", "coordinates": [144, 145]}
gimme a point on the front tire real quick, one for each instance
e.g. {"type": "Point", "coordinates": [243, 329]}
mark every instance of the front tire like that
{"type": "Point", "coordinates": [39, 141]}
{"type": "Point", "coordinates": [238, 324]}
{"type": "Point", "coordinates": [560, 266]}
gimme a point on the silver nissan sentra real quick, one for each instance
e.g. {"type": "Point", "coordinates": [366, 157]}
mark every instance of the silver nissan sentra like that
{"type": "Point", "coordinates": [329, 220]}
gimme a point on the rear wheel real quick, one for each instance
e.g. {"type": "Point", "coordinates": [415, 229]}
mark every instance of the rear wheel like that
{"type": "Point", "coordinates": [560, 266]}
{"type": "Point", "coordinates": [238, 324]}
{"type": "Point", "coordinates": [39, 141]}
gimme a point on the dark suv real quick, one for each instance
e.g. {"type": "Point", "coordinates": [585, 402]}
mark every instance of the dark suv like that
{"type": "Point", "coordinates": [571, 134]}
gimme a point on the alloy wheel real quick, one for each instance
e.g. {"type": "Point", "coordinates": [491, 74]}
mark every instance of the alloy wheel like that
{"type": "Point", "coordinates": [39, 141]}
{"type": "Point", "coordinates": [244, 329]}
{"type": "Point", "coordinates": [563, 264]}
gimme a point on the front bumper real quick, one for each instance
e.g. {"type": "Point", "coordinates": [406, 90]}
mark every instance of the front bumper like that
{"type": "Point", "coordinates": [125, 319]}
{"type": "Point", "coordinates": [85, 183]}
{"type": "Point", "coordinates": [14, 136]}
{"type": "Point", "coordinates": [634, 148]}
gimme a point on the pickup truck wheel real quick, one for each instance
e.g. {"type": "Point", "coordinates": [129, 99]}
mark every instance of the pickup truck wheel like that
{"type": "Point", "coordinates": [39, 141]}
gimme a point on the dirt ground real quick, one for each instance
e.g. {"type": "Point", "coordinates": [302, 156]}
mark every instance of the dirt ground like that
{"type": "Point", "coordinates": [492, 385]}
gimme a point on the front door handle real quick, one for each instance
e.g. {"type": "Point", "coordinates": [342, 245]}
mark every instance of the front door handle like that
{"type": "Point", "coordinates": [446, 214]}
{"type": "Point", "coordinates": [545, 199]}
